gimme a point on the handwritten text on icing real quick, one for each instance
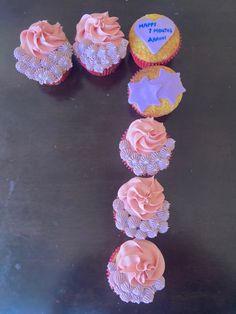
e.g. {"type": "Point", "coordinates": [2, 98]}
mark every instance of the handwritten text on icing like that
{"type": "Point", "coordinates": [154, 30]}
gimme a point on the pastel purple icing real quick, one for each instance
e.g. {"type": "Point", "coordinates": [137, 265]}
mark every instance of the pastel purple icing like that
{"type": "Point", "coordinates": [154, 33]}
{"type": "Point", "coordinates": [127, 293]}
{"type": "Point", "coordinates": [146, 164]}
{"type": "Point", "coordinates": [149, 92]}
{"type": "Point", "coordinates": [134, 227]}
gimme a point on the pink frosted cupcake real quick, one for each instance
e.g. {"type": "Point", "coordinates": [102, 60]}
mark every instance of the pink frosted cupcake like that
{"type": "Point", "coordinates": [99, 43]}
{"type": "Point", "coordinates": [140, 209]}
{"type": "Point", "coordinates": [135, 271]}
{"type": "Point", "coordinates": [44, 54]}
{"type": "Point", "coordinates": [145, 148]}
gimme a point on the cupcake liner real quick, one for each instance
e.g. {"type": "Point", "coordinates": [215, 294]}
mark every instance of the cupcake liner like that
{"type": "Point", "coordinates": [105, 72]}
{"type": "Point", "coordinates": [143, 64]}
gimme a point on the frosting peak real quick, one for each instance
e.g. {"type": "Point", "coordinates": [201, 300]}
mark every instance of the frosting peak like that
{"type": "Point", "coordinates": [142, 197]}
{"type": "Point", "coordinates": [41, 38]}
{"type": "Point", "coordinates": [99, 28]}
{"type": "Point", "coordinates": [141, 261]}
{"type": "Point", "coordinates": [146, 135]}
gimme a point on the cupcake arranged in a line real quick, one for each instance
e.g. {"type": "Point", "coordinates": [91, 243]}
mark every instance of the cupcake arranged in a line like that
{"type": "Point", "coordinates": [154, 39]}
{"type": "Point", "coordinates": [99, 43]}
{"type": "Point", "coordinates": [140, 209]}
{"type": "Point", "coordinates": [135, 271]}
{"type": "Point", "coordinates": [145, 148]}
{"type": "Point", "coordinates": [44, 54]}
{"type": "Point", "coordinates": [155, 91]}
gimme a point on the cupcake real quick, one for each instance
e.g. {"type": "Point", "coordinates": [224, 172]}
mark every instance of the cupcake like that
{"type": "Point", "coordinates": [140, 209]}
{"type": "Point", "coordinates": [155, 91]}
{"type": "Point", "coordinates": [145, 148]}
{"type": "Point", "coordinates": [135, 271]}
{"type": "Point", "coordinates": [154, 39]}
{"type": "Point", "coordinates": [44, 54]}
{"type": "Point", "coordinates": [99, 43]}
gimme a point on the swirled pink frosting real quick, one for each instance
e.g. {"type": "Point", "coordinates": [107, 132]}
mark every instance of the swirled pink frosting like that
{"type": "Point", "coordinates": [99, 28]}
{"type": "Point", "coordinates": [142, 197]}
{"type": "Point", "coordinates": [141, 261]}
{"type": "Point", "coordinates": [146, 135]}
{"type": "Point", "coordinates": [41, 38]}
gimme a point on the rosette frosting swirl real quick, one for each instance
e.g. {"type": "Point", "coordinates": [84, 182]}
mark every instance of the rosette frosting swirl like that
{"type": "Point", "coordinates": [142, 197]}
{"type": "Point", "coordinates": [99, 28]}
{"type": "Point", "coordinates": [146, 135]}
{"type": "Point", "coordinates": [41, 38]}
{"type": "Point", "coordinates": [141, 261]}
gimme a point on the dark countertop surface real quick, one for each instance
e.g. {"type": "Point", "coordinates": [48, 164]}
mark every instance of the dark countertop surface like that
{"type": "Point", "coordinates": [60, 168]}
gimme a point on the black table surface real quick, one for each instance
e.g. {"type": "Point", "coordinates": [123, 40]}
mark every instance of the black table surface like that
{"type": "Point", "coordinates": [60, 168]}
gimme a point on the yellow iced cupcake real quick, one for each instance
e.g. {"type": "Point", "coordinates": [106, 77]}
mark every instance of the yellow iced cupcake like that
{"type": "Point", "coordinates": [154, 39]}
{"type": "Point", "coordinates": [155, 91]}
